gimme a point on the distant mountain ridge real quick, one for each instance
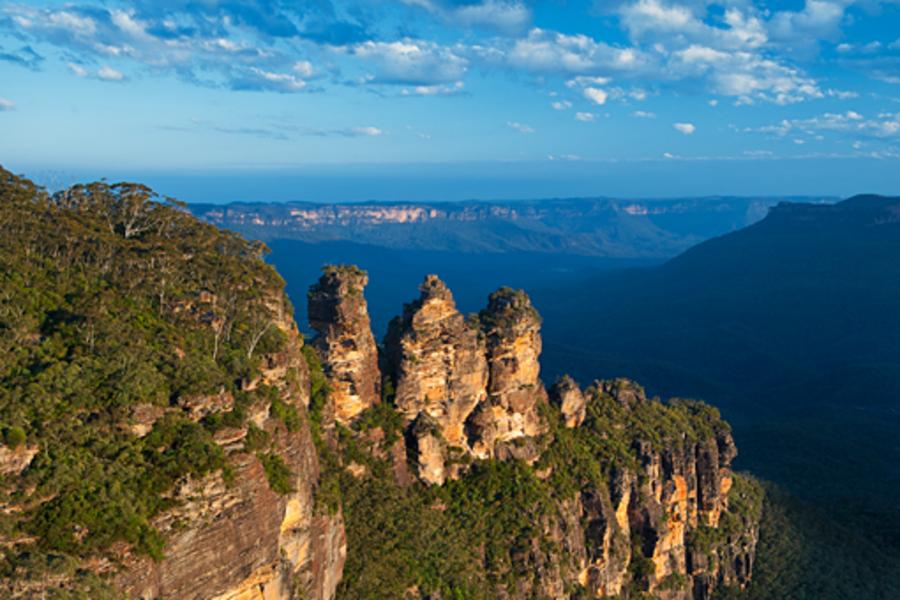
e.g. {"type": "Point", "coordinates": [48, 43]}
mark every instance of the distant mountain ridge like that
{"type": "Point", "coordinates": [806, 284]}
{"type": "Point", "coordinates": [602, 227]}
{"type": "Point", "coordinates": [791, 326]}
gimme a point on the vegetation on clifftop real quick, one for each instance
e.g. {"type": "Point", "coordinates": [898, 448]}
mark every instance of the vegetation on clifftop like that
{"type": "Point", "coordinates": [113, 299]}
{"type": "Point", "coordinates": [474, 536]}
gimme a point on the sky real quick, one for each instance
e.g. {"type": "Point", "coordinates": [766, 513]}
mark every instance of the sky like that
{"type": "Point", "coordinates": [448, 99]}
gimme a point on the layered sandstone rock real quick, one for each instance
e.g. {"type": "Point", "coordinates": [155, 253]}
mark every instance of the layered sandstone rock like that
{"type": "Point", "coordinates": [655, 526]}
{"type": "Point", "coordinates": [244, 541]}
{"type": "Point", "coordinates": [566, 395]}
{"type": "Point", "coordinates": [338, 312]}
{"type": "Point", "coordinates": [438, 361]}
{"type": "Point", "coordinates": [511, 327]}
{"type": "Point", "coordinates": [15, 460]}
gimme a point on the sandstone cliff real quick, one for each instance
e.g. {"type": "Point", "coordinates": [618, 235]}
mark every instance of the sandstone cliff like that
{"type": "Point", "coordinates": [338, 312]}
{"type": "Point", "coordinates": [244, 540]}
{"type": "Point", "coordinates": [163, 447]}
{"type": "Point", "coordinates": [166, 434]}
{"type": "Point", "coordinates": [633, 495]}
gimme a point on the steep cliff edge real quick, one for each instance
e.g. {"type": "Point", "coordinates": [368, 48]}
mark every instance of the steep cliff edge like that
{"type": "Point", "coordinates": [167, 434]}
{"type": "Point", "coordinates": [153, 402]}
{"type": "Point", "coordinates": [520, 493]}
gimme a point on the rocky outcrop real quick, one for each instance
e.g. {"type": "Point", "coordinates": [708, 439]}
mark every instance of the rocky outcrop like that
{"type": "Point", "coordinates": [437, 359]}
{"type": "Point", "coordinates": [338, 312]}
{"type": "Point", "coordinates": [476, 379]}
{"type": "Point", "coordinates": [430, 450]}
{"type": "Point", "coordinates": [657, 525]}
{"type": "Point", "coordinates": [243, 540]}
{"type": "Point", "coordinates": [15, 460]}
{"type": "Point", "coordinates": [652, 513]}
{"type": "Point", "coordinates": [511, 327]}
{"type": "Point", "coordinates": [566, 395]}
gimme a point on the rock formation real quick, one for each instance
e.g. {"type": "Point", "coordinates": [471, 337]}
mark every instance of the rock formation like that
{"type": "Point", "coordinates": [438, 361]}
{"type": "Point", "coordinates": [566, 395]}
{"type": "Point", "coordinates": [225, 464]}
{"type": "Point", "coordinates": [338, 312]}
{"type": "Point", "coordinates": [511, 327]}
{"type": "Point", "coordinates": [245, 541]}
{"type": "Point", "coordinates": [655, 526]}
{"type": "Point", "coordinates": [476, 379]}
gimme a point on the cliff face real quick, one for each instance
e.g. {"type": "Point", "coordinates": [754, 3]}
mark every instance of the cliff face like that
{"type": "Point", "coordinates": [437, 359]}
{"type": "Point", "coordinates": [243, 540]}
{"type": "Point", "coordinates": [163, 447]}
{"type": "Point", "coordinates": [206, 453]}
{"type": "Point", "coordinates": [338, 312]}
{"type": "Point", "coordinates": [640, 496]}
{"type": "Point", "coordinates": [512, 329]}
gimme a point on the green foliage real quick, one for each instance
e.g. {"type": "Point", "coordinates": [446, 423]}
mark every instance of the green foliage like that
{"type": "Point", "coordinates": [673, 582]}
{"type": "Point", "coordinates": [328, 492]}
{"type": "Point", "coordinates": [381, 416]}
{"type": "Point", "coordinates": [278, 474]}
{"type": "Point", "coordinates": [804, 553]}
{"type": "Point", "coordinates": [256, 439]}
{"type": "Point", "coordinates": [586, 456]}
{"type": "Point", "coordinates": [440, 540]}
{"type": "Point", "coordinates": [14, 436]}
{"type": "Point", "coordinates": [318, 394]}
{"type": "Point", "coordinates": [286, 413]}
{"type": "Point", "coordinates": [474, 536]}
{"type": "Point", "coordinates": [111, 298]}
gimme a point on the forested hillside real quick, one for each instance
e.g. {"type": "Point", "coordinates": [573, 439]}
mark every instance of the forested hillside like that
{"type": "Point", "coordinates": [167, 434]}
{"type": "Point", "coordinates": [132, 339]}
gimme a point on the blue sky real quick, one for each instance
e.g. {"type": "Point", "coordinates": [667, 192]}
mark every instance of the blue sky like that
{"type": "Point", "coordinates": [438, 99]}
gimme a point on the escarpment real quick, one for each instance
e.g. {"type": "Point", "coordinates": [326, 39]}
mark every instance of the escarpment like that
{"type": "Point", "coordinates": [257, 534]}
{"type": "Point", "coordinates": [167, 434]}
{"type": "Point", "coordinates": [154, 408]}
{"type": "Point", "coordinates": [615, 493]}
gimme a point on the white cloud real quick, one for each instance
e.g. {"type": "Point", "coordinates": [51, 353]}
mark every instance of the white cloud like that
{"type": "Point", "coordinates": [685, 128]}
{"type": "Point", "coordinates": [104, 73]}
{"type": "Point", "coordinates": [585, 80]}
{"type": "Point", "coordinates": [259, 79]}
{"type": "Point", "coordinates": [596, 95]}
{"type": "Point", "coordinates": [78, 70]}
{"type": "Point", "coordinates": [520, 127]}
{"type": "Point", "coordinates": [561, 105]}
{"type": "Point", "coordinates": [642, 114]}
{"type": "Point", "coordinates": [849, 123]}
{"type": "Point", "coordinates": [109, 74]}
{"type": "Point", "coordinates": [435, 90]}
{"type": "Point", "coordinates": [818, 20]}
{"type": "Point", "coordinates": [72, 22]}
{"type": "Point", "coordinates": [673, 24]}
{"type": "Point", "coordinates": [7, 105]}
{"type": "Point", "coordinates": [504, 15]}
{"type": "Point", "coordinates": [714, 103]}
{"type": "Point", "coordinates": [303, 68]}
{"type": "Point", "coordinates": [744, 74]}
{"type": "Point", "coordinates": [508, 16]}
{"type": "Point", "coordinates": [368, 131]}
{"type": "Point", "coordinates": [841, 94]}
{"type": "Point", "coordinates": [585, 117]}
{"type": "Point", "coordinates": [553, 52]}
{"type": "Point", "coordinates": [563, 157]}
{"type": "Point", "coordinates": [412, 62]}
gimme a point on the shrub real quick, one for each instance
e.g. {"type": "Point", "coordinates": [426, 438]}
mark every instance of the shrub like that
{"type": "Point", "coordinates": [14, 437]}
